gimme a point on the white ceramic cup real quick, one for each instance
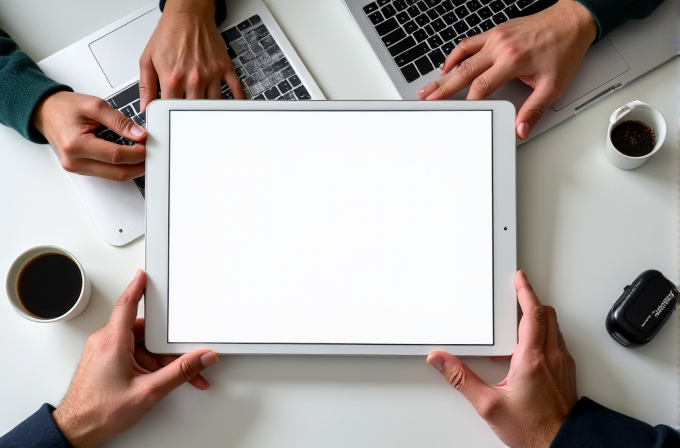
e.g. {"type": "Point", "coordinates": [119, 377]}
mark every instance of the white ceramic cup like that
{"type": "Point", "coordinates": [635, 110]}
{"type": "Point", "coordinates": [14, 277]}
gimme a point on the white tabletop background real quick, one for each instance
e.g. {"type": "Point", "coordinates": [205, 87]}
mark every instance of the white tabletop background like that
{"type": "Point", "coordinates": [585, 230]}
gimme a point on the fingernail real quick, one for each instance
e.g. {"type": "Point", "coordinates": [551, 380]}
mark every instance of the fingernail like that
{"type": "Point", "coordinates": [523, 130]}
{"type": "Point", "coordinates": [137, 131]}
{"type": "Point", "coordinates": [138, 274]}
{"type": "Point", "coordinates": [437, 362]}
{"type": "Point", "coordinates": [208, 359]}
{"type": "Point", "coordinates": [421, 91]}
{"type": "Point", "coordinates": [441, 66]}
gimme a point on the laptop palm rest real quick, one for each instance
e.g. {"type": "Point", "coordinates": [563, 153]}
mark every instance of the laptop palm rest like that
{"type": "Point", "coordinates": [118, 52]}
{"type": "Point", "coordinates": [601, 64]}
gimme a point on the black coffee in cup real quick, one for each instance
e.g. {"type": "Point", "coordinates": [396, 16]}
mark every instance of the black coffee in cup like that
{"type": "Point", "coordinates": [633, 138]}
{"type": "Point", "coordinates": [49, 285]}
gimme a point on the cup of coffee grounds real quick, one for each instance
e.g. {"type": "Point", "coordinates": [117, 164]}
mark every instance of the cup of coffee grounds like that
{"type": "Point", "coordinates": [636, 132]}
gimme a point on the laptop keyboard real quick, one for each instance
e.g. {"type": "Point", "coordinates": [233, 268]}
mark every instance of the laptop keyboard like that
{"type": "Point", "coordinates": [420, 34]}
{"type": "Point", "coordinates": [259, 62]}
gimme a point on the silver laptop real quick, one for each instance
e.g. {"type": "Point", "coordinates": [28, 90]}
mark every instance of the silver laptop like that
{"type": "Point", "coordinates": [106, 64]}
{"type": "Point", "coordinates": [412, 37]}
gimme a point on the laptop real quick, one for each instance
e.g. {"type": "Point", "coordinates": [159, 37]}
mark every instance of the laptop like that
{"type": "Point", "coordinates": [106, 64]}
{"type": "Point", "coordinates": [411, 38]}
{"type": "Point", "coordinates": [316, 240]}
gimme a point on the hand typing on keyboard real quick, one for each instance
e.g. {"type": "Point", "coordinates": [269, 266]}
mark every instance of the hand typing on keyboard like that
{"type": "Point", "coordinates": [187, 56]}
{"type": "Point", "coordinates": [70, 121]}
{"type": "Point", "coordinates": [543, 50]}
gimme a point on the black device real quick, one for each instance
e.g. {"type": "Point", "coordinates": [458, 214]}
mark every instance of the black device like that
{"type": "Point", "coordinates": [643, 308]}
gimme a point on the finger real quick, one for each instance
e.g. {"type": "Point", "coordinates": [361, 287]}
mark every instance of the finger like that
{"type": "Point", "coordinates": [148, 82]}
{"type": "Point", "coordinates": [533, 108]}
{"type": "Point", "coordinates": [466, 72]}
{"type": "Point", "coordinates": [434, 85]}
{"type": "Point", "coordinates": [195, 87]}
{"type": "Point", "coordinates": [125, 310]}
{"type": "Point", "coordinates": [488, 82]}
{"type": "Point", "coordinates": [476, 391]}
{"type": "Point", "coordinates": [95, 148]}
{"type": "Point", "coordinates": [183, 370]}
{"type": "Point", "coordinates": [118, 173]}
{"type": "Point", "coordinates": [138, 330]}
{"type": "Point", "coordinates": [465, 49]}
{"type": "Point", "coordinates": [551, 331]}
{"type": "Point", "coordinates": [231, 78]}
{"type": "Point", "coordinates": [117, 122]}
{"type": "Point", "coordinates": [214, 90]}
{"type": "Point", "coordinates": [532, 327]}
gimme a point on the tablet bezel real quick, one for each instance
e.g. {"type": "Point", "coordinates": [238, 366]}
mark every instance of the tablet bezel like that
{"type": "Point", "coordinates": [504, 227]}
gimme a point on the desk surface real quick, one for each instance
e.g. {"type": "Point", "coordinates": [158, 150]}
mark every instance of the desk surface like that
{"type": "Point", "coordinates": [585, 229]}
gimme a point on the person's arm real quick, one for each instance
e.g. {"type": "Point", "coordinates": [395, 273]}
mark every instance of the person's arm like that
{"type": "Point", "coordinates": [609, 14]}
{"type": "Point", "coordinates": [590, 424]}
{"type": "Point", "coordinates": [37, 431]}
{"type": "Point", "coordinates": [23, 85]}
{"type": "Point", "coordinates": [186, 55]}
{"type": "Point", "coordinates": [536, 405]}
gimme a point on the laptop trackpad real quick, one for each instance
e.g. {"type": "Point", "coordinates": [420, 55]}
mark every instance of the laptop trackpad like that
{"type": "Point", "coordinates": [118, 52]}
{"type": "Point", "coordinates": [601, 64]}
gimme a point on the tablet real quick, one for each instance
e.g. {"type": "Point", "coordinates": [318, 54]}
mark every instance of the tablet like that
{"type": "Point", "coordinates": [331, 227]}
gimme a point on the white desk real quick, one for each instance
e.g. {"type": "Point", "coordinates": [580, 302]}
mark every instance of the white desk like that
{"type": "Point", "coordinates": [585, 230]}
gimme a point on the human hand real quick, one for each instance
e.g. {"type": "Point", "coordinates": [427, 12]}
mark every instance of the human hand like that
{"type": "Point", "coordinates": [69, 120]}
{"type": "Point", "coordinates": [187, 54]}
{"type": "Point", "coordinates": [544, 50]}
{"type": "Point", "coordinates": [117, 381]}
{"type": "Point", "coordinates": [527, 408]}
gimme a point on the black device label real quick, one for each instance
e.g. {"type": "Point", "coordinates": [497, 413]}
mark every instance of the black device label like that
{"type": "Point", "coordinates": [654, 303]}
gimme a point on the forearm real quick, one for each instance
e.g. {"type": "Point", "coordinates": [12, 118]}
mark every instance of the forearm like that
{"type": "Point", "coordinates": [609, 14]}
{"type": "Point", "coordinates": [590, 424]}
{"type": "Point", "coordinates": [23, 86]}
{"type": "Point", "coordinates": [219, 5]}
{"type": "Point", "coordinates": [37, 431]}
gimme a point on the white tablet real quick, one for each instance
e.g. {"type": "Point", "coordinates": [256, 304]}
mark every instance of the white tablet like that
{"type": "Point", "coordinates": [334, 228]}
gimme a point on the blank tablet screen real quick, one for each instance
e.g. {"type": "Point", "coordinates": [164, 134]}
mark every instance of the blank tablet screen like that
{"type": "Point", "coordinates": [331, 227]}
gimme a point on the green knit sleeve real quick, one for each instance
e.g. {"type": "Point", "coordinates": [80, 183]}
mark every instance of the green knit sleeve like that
{"type": "Point", "coordinates": [22, 86]}
{"type": "Point", "coordinates": [220, 10]}
{"type": "Point", "coordinates": [609, 14]}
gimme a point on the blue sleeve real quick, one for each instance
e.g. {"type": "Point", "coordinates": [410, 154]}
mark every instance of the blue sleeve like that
{"type": "Point", "coordinates": [220, 10]}
{"type": "Point", "coordinates": [592, 425]}
{"type": "Point", "coordinates": [37, 431]}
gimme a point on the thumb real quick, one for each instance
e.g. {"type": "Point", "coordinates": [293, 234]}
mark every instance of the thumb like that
{"type": "Point", "coordinates": [181, 370]}
{"type": "Point", "coordinates": [120, 124]}
{"type": "Point", "coordinates": [476, 391]}
{"type": "Point", "coordinates": [532, 109]}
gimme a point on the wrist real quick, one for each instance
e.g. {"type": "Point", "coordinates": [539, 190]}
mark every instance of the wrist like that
{"type": "Point", "coordinates": [81, 430]}
{"type": "Point", "coordinates": [203, 8]}
{"type": "Point", "coordinates": [581, 19]}
{"type": "Point", "coordinates": [41, 111]}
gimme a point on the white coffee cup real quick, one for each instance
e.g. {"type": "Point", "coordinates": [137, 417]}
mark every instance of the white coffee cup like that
{"type": "Point", "coordinates": [635, 111]}
{"type": "Point", "coordinates": [47, 284]}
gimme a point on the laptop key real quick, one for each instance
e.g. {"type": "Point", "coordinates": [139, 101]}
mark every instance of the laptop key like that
{"type": "Point", "coordinates": [403, 17]}
{"type": "Point", "coordinates": [485, 13]}
{"type": "Point", "coordinates": [422, 20]}
{"type": "Point", "coordinates": [388, 11]}
{"type": "Point", "coordinates": [411, 55]}
{"type": "Point", "coordinates": [460, 27]}
{"type": "Point", "coordinates": [402, 46]}
{"type": "Point", "coordinates": [438, 25]}
{"type": "Point", "coordinates": [435, 41]}
{"type": "Point", "coordinates": [125, 97]}
{"type": "Point", "coordinates": [394, 37]}
{"type": "Point", "coordinates": [437, 57]}
{"type": "Point", "coordinates": [450, 18]}
{"type": "Point", "coordinates": [473, 5]}
{"type": "Point", "coordinates": [448, 47]}
{"type": "Point", "coordinates": [302, 93]}
{"type": "Point", "coordinates": [486, 25]}
{"type": "Point", "coordinates": [424, 65]}
{"type": "Point", "coordinates": [294, 81]}
{"type": "Point", "coordinates": [371, 7]}
{"type": "Point", "coordinates": [387, 26]}
{"type": "Point", "coordinates": [496, 6]}
{"type": "Point", "coordinates": [448, 34]}
{"type": "Point", "coordinates": [376, 18]}
{"type": "Point", "coordinates": [420, 35]}
{"type": "Point", "coordinates": [410, 27]}
{"type": "Point", "coordinates": [284, 86]}
{"type": "Point", "coordinates": [461, 12]}
{"type": "Point", "coordinates": [410, 73]}
{"type": "Point", "coordinates": [473, 20]}
{"type": "Point", "coordinates": [500, 18]}
{"type": "Point", "coordinates": [512, 11]}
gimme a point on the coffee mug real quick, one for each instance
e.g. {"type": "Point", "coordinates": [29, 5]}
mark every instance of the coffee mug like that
{"type": "Point", "coordinates": [47, 284]}
{"type": "Point", "coordinates": [636, 132]}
